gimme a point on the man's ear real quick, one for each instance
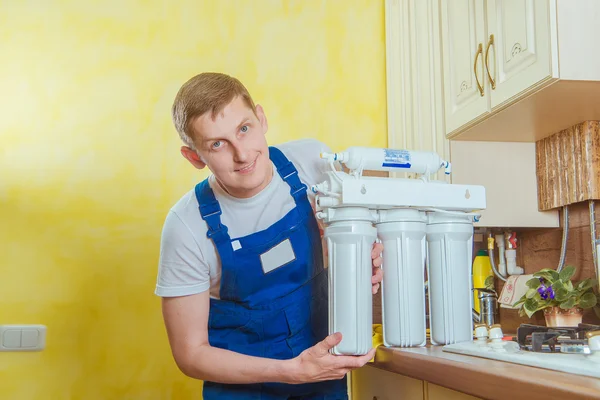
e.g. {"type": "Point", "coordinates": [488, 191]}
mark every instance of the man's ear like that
{"type": "Point", "coordinates": [190, 155]}
{"type": "Point", "coordinates": [262, 118]}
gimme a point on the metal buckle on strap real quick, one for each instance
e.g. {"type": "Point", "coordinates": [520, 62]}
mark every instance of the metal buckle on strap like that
{"type": "Point", "coordinates": [287, 170]}
{"type": "Point", "coordinates": [210, 210]}
{"type": "Point", "coordinates": [216, 232]}
{"type": "Point", "coordinates": [297, 190]}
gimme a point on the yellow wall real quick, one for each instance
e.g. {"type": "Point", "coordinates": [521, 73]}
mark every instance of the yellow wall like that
{"type": "Point", "coordinates": [89, 161]}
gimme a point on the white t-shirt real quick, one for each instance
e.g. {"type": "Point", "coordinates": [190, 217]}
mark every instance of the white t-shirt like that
{"type": "Point", "coordinates": [188, 261]}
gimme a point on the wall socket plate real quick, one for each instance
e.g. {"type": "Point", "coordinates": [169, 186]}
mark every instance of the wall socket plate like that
{"type": "Point", "coordinates": [22, 337]}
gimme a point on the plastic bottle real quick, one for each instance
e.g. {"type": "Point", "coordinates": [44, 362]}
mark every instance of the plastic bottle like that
{"type": "Point", "coordinates": [482, 269]}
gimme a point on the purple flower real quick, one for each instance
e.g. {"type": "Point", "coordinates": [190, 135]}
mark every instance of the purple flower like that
{"type": "Point", "coordinates": [545, 292]}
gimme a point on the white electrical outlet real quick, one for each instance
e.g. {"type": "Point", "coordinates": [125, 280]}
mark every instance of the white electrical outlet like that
{"type": "Point", "coordinates": [22, 337]}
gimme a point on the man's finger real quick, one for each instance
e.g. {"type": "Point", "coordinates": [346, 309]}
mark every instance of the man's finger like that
{"type": "Point", "coordinates": [377, 275]}
{"type": "Point", "coordinates": [377, 249]}
{"type": "Point", "coordinates": [356, 361]}
{"type": "Point", "coordinates": [377, 262]}
{"type": "Point", "coordinates": [375, 288]}
{"type": "Point", "coordinates": [329, 342]}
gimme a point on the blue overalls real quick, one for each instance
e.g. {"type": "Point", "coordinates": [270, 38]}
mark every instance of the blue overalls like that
{"type": "Point", "coordinates": [274, 314]}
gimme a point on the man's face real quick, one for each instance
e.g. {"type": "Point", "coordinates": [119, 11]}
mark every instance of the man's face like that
{"type": "Point", "coordinates": [234, 147]}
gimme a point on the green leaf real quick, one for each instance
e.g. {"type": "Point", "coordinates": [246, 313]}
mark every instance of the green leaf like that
{"type": "Point", "coordinates": [569, 303]}
{"type": "Point", "coordinates": [569, 286]}
{"type": "Point", "coordinates": [489, 282]}
{"type": "Point", "coordinates": [548, 274]}
{"type": "Point", "coordinates": [561, 294]}
{"type": "Point", "coordinates": [567, 273]}
{"type": "Point", "coordinates": [530, 293]}
{"type": "Point", "coordinates": [588, 300]}
{"type": "Point", "coordinates": [530, 306]}
{"type": "Point", "coordinates": [586, 284]}
{"type": "Point", "coordinates": [533, 283]}
{"type": "Point", "coordinates": [520, 301]}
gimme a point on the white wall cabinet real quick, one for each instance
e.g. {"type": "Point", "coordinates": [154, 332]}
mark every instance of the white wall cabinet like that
{"type": "Point", "coordinates": [493, 52]}
{"type": "Point", "coordinates": [519, 70]}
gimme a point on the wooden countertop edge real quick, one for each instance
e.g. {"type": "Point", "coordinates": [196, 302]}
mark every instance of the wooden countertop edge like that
{"type": "Point", "coordinates": [488, 379]}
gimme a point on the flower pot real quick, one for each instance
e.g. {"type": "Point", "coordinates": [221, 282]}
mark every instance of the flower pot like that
{"type": "Point", "coordinates": [556, 316]}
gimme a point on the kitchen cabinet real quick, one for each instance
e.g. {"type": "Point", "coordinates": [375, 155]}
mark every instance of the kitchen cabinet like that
{"type": "Point", "coordinates": [370, 383]}
{"type": "Point", "coordinates": [415, 109]}
{"type": "Point", "coordinates": [487, 64]}
{"type": "Point", "coordinates": [518, 70]}
{"type": "Point", "coordinates": [423, 92]}
{"type": "Point", "coordinates": [435, 392]}
{"type": "Point", "coordinates": [508, 173]}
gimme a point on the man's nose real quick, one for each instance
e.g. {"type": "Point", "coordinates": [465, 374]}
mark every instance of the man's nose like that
{"type": "Point", "coordinates": [240, 154]}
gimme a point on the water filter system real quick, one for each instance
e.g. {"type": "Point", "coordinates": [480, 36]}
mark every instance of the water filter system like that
{"type": "Point", "coordinates": [426, 226]}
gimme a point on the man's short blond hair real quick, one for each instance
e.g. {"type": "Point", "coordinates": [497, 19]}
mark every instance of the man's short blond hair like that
{"type": "Point", "coordinates": [206, 92]}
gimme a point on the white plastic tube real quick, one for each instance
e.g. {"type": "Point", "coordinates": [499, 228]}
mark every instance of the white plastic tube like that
{"type": "Point", "coordinates": [501, 256]}
{"type": "Point", "coordinates": [449, 256]}
{"type": "Point", "coordinates": [350, 236]}
{"type": "Point", "coordinates": [402, 233]}
{"type": "Point", "coordinates": [377, 159]}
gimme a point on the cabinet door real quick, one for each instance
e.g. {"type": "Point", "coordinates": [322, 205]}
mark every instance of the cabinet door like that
{"type": "Point", "coordinates": [370, 383]}
{"type": "Point", "coordinates": [463, 40]}
{"type": "Point", "coordinates": [414, 78]}
{"type": "Point", "coordinates": [520, 56]}
{"type": "Point", "coordinates": [435, 392]}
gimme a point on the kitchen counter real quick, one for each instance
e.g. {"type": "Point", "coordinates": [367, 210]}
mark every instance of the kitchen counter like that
{"type": "Point", "coordinates": [485, 378]}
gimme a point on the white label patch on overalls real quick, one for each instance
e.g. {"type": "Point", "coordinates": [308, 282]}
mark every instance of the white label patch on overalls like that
{"type": "Point", "coordinates": [277, 256]}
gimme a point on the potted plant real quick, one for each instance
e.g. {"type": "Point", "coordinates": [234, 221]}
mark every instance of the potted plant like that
{"type": "Point", "coordinates": [562, 300]}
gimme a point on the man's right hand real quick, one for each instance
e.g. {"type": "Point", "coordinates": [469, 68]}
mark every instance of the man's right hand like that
{"type": "Point", "coordinates": [318, 364]}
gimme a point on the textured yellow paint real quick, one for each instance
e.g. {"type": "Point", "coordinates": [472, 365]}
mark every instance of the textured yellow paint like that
{"type": "Point", "coordinates": [89, 161]}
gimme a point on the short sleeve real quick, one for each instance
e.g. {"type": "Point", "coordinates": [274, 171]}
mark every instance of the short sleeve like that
{"type": "Point", "coordinates": [182, 269]}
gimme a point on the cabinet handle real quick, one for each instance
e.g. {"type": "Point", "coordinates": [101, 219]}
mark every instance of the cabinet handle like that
{"type": "Point", "coordinates": [487, 61]}
{"type": "Point", "coordinates": [479, 52]}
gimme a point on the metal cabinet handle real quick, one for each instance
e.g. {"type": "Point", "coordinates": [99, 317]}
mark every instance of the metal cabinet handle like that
{"type": "Point", "coordinates": [487, 61]}
{"type": "Point", "coordinates": [479, 52]}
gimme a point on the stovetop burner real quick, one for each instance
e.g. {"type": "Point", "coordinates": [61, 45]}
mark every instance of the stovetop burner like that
{"type": "Point", "coordinates": [553, 340]}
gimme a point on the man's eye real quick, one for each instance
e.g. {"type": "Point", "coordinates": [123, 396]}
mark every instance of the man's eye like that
{"type": "Point", "coordinates": [244, 128]}
{"type": "Point", "coordinates": [216, 145]}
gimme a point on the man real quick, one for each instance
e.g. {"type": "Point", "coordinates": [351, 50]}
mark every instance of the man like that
{"type": "Point", "coordinates": [241, 266]}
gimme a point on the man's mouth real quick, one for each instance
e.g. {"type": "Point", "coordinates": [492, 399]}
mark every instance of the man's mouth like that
{"type": "Point", "coordinates": [248, 167]}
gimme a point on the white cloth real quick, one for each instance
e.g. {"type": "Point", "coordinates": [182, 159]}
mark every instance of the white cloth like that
{"type": "Point", "coordinates": [514, 288]}
{"type": "Point", "coordinates": [188, 262]}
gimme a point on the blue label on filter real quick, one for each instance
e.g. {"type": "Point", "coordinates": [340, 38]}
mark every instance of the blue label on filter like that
{"type": "Point", "coordinates": [396, 159]}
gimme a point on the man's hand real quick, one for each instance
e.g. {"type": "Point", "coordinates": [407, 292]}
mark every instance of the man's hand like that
{"type": "Point", "coordinates": [377, 271]}
{"type": "Point", "coordinates": [317, 364]}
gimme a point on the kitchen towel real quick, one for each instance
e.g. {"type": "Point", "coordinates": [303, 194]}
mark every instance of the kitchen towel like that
{"type": "Point", "coordinates": [514, 288]}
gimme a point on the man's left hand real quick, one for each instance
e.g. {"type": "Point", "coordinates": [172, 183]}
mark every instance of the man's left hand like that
{"type": "Point", "coordinates": [377, 271]}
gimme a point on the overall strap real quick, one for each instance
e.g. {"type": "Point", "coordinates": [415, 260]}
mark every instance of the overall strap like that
{"type": "Point", "coordinates": [289, 174]}
{"type": "Point", "coordinates": [210, 210]}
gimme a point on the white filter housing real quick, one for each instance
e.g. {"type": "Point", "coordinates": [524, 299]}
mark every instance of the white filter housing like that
{"type": "Point", "coordinates": [402, 232]}
{"type": "Point", "coordinates": [350, 236]}
{"type": "Point", "coordinates": [449, 255]}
